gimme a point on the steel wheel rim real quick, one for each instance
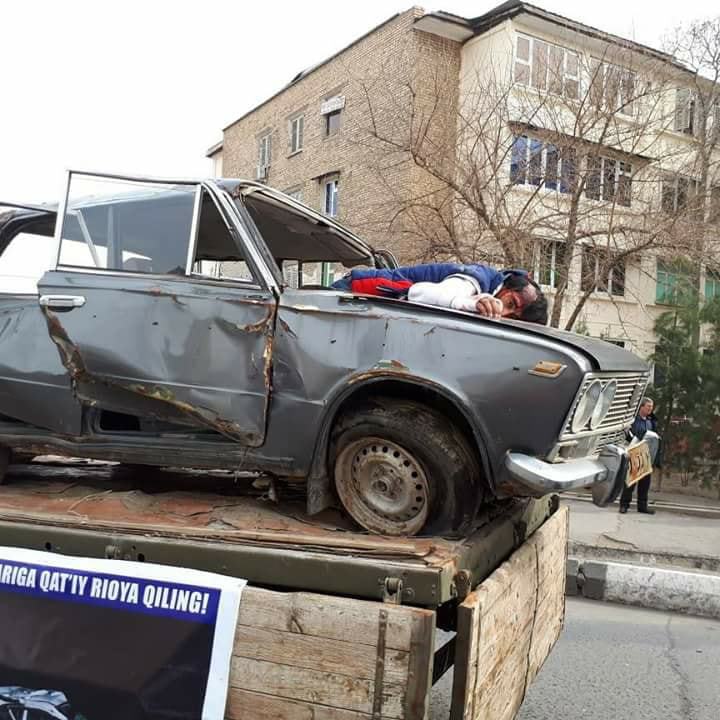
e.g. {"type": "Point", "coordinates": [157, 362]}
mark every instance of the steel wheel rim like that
{"type": "Point", "coordinates": [383, 486]}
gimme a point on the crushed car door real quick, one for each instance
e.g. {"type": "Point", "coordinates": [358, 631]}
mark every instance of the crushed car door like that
{"type": "Point", "coordinates": [141, 318]}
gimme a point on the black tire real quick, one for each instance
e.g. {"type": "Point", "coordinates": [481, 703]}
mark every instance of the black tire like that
{"type": "Point", "coordinates": [4, 462]}
{"type": "Point", "coordinates": [401, 468]}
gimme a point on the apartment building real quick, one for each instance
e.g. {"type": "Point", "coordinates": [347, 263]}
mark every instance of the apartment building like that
{"type": "Point", "coordinates": [468, 131]}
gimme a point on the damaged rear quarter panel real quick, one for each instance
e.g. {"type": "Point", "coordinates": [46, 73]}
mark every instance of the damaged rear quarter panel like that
{"type": "Point", "coordinates": [34, 385]}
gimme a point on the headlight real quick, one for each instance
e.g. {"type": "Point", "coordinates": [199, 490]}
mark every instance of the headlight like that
{"type": "Point", "coordinates": [603, 404]}
{"type": "Point", "coordinates": [586, 406]}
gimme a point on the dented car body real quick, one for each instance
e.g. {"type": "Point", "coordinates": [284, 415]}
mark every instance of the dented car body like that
{"type": "Point", "coordinates": [168, 330]}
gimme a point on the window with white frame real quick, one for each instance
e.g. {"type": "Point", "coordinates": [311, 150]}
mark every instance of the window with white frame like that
{"type": "Point", "coordinates": [297, 127]}
{"type": "Point", "coordinates": [601, 272]}
{"type": "Point", "coordinates": [264, 153]}
{"type": "Point", "coordinates": [612, 87]}
{"type": "Point", "coordinates": [538, 162]}
{"type": "Point", "coordinates": [609, 179]}
{"type": "Point", "coordinates": [545, 66]}
{"type": "Point", "coordinates": [331, 197]}
{"type": "Point", "coordinates": [548, 262]}
{"type": "Point", "coordinates": [295, 194]}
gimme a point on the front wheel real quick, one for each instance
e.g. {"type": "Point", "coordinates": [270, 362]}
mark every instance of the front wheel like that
{"type": "Point", "coordinates": [401, 467]}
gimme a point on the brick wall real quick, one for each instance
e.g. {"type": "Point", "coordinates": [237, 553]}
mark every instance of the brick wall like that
{"type": "Point", "coordinates": [376, 178]}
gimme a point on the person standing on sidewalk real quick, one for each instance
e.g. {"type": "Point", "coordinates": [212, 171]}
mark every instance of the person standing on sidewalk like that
{"type": "Point", "coordinates": [642, 423]}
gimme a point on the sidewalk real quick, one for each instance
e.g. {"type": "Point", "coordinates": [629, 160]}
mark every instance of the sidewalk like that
{"type": "Point", "coordinates": [666, 538]}
{"type": "Point", "coordinates": [666, 561]}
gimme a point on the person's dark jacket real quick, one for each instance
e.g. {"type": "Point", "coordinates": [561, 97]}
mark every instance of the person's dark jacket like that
{"type": "Point", "coordinates": [639, 427]}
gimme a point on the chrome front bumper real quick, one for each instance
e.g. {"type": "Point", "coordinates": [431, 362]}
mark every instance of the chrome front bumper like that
{"type": "Point", "coordinates": [605, 474]}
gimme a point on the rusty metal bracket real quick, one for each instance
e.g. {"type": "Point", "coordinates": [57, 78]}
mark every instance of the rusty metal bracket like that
{"type": "Point", "coordinates": [380, 665]}
{"type": "Point", "coordinates": [463, 584]}
{"type": "Point", "coordinates": [392, 591]}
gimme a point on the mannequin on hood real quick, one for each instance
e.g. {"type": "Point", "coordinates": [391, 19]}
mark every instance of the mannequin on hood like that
{"type": "Point", "coordinates": [473, 287]}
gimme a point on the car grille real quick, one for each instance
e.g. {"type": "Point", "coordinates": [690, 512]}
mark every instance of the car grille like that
{"type": "Point", "coordinates": [630, 388]}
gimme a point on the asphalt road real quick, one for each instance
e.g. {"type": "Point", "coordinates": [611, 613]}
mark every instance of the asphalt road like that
{"type": "Point", "coordinates": [614, 662]}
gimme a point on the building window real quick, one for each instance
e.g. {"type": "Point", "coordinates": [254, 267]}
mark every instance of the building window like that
{"type": "Point", "coordinates": [685, 111]}
{"type": "Point", "coordinates": [297, 126]}
{"type": "Point", "coordinates": [549, 257]}
{"type": "Point", "coordinates": [612, 87]}
{"type": "Point", "coordinates": [681, 194]}
{"type": "Point", "coordinates": [264, 155]}
{"type": "Point", "coordinates": [714, 216]}
{"type": "Point", "coordinates": [332, 109]}
{"type": "Point", "coordinates": [602, 274]}
{"type": "Point", "coordinates": [295, 194]}
{"type": "Point", "coordinates": [332, 122]}
{"type": "Point", "coordinates": [712, 284]}
{"type": "Point", "coordinates": [609, 179]}
{"type": "Point", "coordinates": [331, 197]}
{"type": "Point", "coordinates": [534, 162]}
{"type": "Point", "coordinates": [546, 67]}
{"type": "Point", "coordinates": [672, 282]}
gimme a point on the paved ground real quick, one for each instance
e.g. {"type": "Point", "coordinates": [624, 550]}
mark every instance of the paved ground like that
{"type": "Point", "coordinates": [662, 532]}
{"type": "Point", "coordinates": [614, 662]}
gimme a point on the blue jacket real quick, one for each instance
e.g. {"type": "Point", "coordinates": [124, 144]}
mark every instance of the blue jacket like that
{"type": "Point", "coordinates": [488, 278]}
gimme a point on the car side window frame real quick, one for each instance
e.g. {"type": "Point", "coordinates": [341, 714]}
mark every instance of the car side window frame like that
{"type": "Point", "coordinates": [244, 240]}
{"type": "Point", "coordinates": [243, 237]}
{"type": "Point", "coordinates": [63, 211]}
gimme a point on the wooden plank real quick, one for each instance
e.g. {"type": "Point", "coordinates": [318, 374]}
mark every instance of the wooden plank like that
{"type": "Point", "coordinates": [551, 544]}
{"type": "Point", "coordinates": [314, 653]}
{"type": "Point", "coordinates": [354, 621]}
{"type": "Point", "coordinates": [245, 705]}
{"type": "Point", "coordinates": [314, 686]}
{"type": "Point", "coordinates": [502, 606]}
{"type": "Point", "coordinates": [420, 667]}
{"type": "Point", "coordinates": [307, 655]}
{"type": "Point", "coordinates": [509, 624]}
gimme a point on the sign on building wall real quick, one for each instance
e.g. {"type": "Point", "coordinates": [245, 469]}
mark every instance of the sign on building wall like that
{"type": "Point", "coordinates": [332, 104]}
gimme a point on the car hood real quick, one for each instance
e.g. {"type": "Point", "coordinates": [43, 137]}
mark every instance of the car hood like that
{"type": "Point", "coordinates": [603, 356]}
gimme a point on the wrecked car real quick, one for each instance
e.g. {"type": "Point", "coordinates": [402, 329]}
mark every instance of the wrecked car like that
{"type": "Point", "coordinates": [184, 324]}
{"type": "Point", "coordinates": [18, 703]}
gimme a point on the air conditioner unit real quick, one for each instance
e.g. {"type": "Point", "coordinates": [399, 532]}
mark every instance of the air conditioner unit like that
{"type": "Point", "coordinates": [262, 172]}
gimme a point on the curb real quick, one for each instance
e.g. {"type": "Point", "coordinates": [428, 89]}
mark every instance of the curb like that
{"type": "Point", "coordinates": [601, 553]}
{"type": "Point", "coordinates": [704, 511]}
{"type": "Point", "coordinates": [692, 593]}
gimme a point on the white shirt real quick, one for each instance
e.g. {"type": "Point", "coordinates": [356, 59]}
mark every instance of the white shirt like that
{"type": "Point", "coordinates": [459, 292]}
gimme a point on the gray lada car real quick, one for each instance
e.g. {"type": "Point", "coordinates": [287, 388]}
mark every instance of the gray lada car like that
{"type": "Point", "coordinates": [177, 326]}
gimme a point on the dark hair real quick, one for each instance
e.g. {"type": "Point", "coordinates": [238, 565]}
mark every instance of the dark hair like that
{"type": "Point", "coordinates": [537, 310]}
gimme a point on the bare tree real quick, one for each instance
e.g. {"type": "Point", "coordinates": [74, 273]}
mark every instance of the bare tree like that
{"type": "Point", "coordinates": [550, 150]}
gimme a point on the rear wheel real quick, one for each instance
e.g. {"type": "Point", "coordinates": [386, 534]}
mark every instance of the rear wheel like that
{"type": "Point", "coordinates": [401, 467]}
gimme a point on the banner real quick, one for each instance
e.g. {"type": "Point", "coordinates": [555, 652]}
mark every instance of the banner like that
{"type": "Point", "coordinates": [85, 639]}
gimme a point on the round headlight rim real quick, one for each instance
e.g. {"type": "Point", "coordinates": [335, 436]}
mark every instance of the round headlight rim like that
{"type": "Point", "coordinates": [604, 401]}
{"type": "Point", "coordinates": [585, 407]}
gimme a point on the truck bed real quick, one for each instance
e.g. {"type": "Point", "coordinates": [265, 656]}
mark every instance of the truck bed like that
{"type": "Point", "coordinates": [220, 522]}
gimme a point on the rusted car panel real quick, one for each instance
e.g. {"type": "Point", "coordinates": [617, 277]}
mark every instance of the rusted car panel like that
{"type": "Point", "coordinates": [34, 385]}
{"type": "Point", "coordinates": [145, 350]}
{"type": "Point", "coordinates": [172, 349]}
